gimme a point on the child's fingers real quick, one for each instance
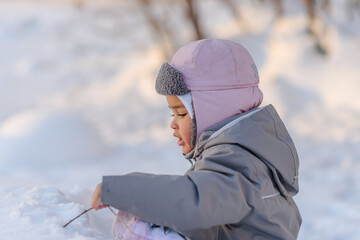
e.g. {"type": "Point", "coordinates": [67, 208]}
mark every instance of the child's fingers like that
{"type": "Point", "coordinates": [97, 205]}
{"type": "Point", "coordinates": [102, 206]}
{"type": "Point", "coordinates": [96, 198]}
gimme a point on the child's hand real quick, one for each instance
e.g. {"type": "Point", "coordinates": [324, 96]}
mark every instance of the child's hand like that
{"type": "Point", "coordinates": [96, 199]}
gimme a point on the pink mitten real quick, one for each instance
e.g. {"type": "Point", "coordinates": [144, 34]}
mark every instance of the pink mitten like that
{"type": "Point", "coordinates": [129, 227]}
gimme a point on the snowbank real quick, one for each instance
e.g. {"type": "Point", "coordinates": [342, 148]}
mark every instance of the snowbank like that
{"type": "Point", "coordinates": [40, 212]}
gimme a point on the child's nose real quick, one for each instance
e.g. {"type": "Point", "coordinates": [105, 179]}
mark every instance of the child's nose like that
{"type": "Point", "coordinates": [173, 124]}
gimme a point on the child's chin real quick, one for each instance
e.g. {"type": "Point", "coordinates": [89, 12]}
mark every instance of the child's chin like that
{"type": "Point", "coordinates": [186, 149]}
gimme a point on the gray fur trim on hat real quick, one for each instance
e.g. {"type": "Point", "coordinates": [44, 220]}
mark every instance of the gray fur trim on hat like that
{"type": "Point", "coordinates": [170, 81]}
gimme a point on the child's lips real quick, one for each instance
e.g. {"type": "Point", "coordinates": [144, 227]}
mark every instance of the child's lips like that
{"type": "Point", "coordinates": [180, 142]}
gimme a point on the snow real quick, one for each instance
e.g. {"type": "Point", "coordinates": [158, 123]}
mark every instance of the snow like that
{"type": "Point", "coordinates": [40, 212]}
{"type": "Point", "coordinates": [77, 102]}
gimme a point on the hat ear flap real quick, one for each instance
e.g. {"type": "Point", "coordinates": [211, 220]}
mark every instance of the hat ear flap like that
{"type": "Point", "coordinates": [170, 81]}
{"type": "Point", "coordinates": [193, 127]}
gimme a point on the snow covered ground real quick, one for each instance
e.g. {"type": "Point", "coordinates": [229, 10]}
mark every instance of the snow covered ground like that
{"type": "Point", "coordinates": [77, 101]}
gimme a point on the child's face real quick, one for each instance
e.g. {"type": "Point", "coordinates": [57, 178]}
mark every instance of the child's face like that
{"type": "Point", "coordinates": [181, 123]}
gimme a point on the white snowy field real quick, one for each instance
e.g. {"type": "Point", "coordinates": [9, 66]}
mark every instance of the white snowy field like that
{"type": "Point", "coordinates": [77, 102]}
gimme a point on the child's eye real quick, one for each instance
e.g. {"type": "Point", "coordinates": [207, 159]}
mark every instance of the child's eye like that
{"type": "Point", "coordinates": [180, 115]}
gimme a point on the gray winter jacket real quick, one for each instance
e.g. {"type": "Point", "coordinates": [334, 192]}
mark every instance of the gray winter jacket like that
{"type": "Point", "coordinates": [240, 187]}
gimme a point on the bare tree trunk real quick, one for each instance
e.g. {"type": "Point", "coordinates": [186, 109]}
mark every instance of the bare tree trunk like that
{"type": "Point", "coordinates": [193, 16]}
{"type": "Point", "coordinates": [326, 5]}
{"type": "Point", "coordinates": [159, 31]}
{"type": "Point", "coordinates": [278, 4]}
{"type": "Point", "coordinates": [279, 10]}
{"type": "Point", "coordinates": [146, 9]}
{"type": "Point", "coordinates": [352, 7]}
{"type": "Point", "coordinates": [310, 7]}
{"type": "Point", "coordinates": [79, 4]}
{"type": "Point", "coordinates": [315, 27]}
{"type": "Point", "coordinates": [233, 6]}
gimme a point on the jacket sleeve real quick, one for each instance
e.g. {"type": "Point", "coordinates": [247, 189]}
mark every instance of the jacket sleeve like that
{"type": "Point", "coordinates": [212, 194]}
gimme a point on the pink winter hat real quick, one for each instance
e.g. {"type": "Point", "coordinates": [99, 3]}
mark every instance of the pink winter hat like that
{"type": "Point", "coordinates": [221, 77]}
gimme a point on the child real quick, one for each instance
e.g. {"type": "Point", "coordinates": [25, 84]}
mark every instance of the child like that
{"type": "Point", "coordinates": [245, 169]}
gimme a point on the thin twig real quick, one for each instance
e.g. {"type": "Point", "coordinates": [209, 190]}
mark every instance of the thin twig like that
{"type": "Point", "coordinates": [116, 215]}
{"type": "Point", "coordinates": [77, 217]}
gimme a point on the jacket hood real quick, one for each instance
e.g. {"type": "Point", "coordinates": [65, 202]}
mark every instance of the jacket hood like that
{"type": "Point", "coordinates": [262, 133]}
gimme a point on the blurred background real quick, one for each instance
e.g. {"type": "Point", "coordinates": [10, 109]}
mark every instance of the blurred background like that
{"type": "Point", "coordinates": [77, 98]}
